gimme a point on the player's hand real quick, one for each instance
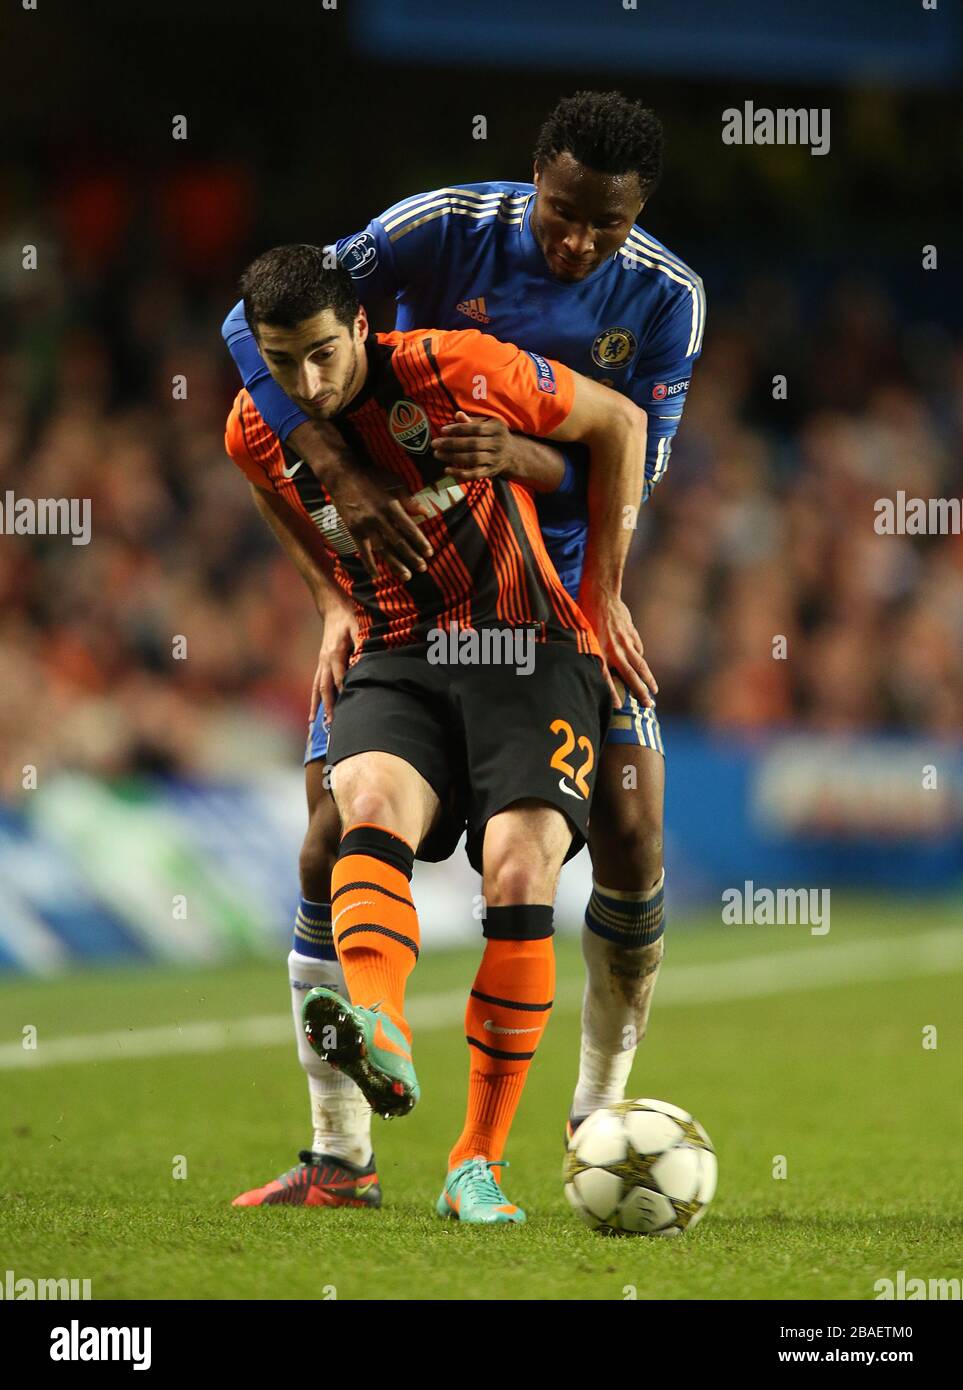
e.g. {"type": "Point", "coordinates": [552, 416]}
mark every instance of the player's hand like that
{"type": "Point", "coordinates": [379, 520]}
{"type": "Point", "coordinates": [337, 646]}
{"type": "Point", "coordinates": [621, 646]}
{"type": "Point", "coordinates": [474, 446]}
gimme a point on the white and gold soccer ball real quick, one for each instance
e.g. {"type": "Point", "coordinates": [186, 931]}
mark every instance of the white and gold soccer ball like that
{"type": "Point", "coordinates": [642, 1167]}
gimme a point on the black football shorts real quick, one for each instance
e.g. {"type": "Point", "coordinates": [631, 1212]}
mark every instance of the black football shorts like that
{"type": "Point", "coordinates": [482, 736]}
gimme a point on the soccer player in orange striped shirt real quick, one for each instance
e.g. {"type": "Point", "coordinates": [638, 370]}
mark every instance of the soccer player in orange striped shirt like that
{"type": "Point", "coordinates": [476, 696]}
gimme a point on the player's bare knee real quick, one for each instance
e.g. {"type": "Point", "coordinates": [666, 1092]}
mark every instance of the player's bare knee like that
{"type": "Point", "coordinates": [359, 796]}
{"type": "Point", "coordinates": [521, 875]}
{"type": "Point", "coordinates": [380, 790]}
{"type": "Point", "coordinates": [318, 854]}
{"type": "Point", "coordinates": [634, 848]}
{"type": "Point", "coordinates": [368, 805]}
{"type": "Point", "coordinates": [647, 848]}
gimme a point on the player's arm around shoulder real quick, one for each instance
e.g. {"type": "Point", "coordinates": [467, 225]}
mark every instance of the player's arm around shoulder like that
{"type": "Point", "coordinates": [602, 415]}
{"type": "Point", "coordinates": [614, 429]}
{"type": "Point", "coordinates": [484, 439]}
{"type": "Point", "coordinates": [533, 394]}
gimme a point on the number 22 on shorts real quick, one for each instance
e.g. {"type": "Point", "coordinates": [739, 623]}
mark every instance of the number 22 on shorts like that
{"type": "Point", "coordinates": [560, 758]}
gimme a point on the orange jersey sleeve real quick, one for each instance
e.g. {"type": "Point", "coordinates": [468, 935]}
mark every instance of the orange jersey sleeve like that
{"type": "Point", "coordinates": [531, 393]}
{"type": "Point", "coordinates": [249, 442]}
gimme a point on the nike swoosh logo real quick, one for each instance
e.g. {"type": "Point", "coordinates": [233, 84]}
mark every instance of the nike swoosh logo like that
{"type": "Point", "coordinates": [495, 1028]}
{"type": "Point", "coordinates": [382, 1040]}
{"type": "Point", "coordinates": [568, 790]}
{"type": "Point", "coordinates": [289, 471]}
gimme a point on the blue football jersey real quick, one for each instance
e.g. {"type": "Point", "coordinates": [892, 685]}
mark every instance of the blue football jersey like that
{"type": "Point", "coordinates": [466, 257]}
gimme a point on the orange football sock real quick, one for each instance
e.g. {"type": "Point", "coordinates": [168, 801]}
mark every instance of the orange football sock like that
{"type": "Point", "coordinates": [373, 918]}
{"type": "Point", "coordinates": [506, 1016]}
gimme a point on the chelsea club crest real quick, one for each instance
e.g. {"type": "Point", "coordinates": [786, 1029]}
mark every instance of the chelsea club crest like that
{"type": "Point", "coordinates": [613, 348]}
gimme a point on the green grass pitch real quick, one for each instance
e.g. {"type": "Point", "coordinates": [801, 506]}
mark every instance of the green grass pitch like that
{"type": "Point", "coordinates": [827, 1069]}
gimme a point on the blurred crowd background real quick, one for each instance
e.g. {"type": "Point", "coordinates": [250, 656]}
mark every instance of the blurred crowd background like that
{"type": "Point", "coordinates": [762, 527]}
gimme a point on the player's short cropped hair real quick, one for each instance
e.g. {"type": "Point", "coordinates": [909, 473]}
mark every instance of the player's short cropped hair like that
{"type": "Point", "coordinates": [289, 284]}
{"type": "Point", "coordinates": [605, 132]}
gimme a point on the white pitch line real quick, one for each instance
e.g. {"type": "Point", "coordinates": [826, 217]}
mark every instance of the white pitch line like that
{"type": "Point", "coordinates": [819, 966]}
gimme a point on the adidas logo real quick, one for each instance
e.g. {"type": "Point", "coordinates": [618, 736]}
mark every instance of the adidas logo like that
{"type": "Point", "coordinates": [475, 309]}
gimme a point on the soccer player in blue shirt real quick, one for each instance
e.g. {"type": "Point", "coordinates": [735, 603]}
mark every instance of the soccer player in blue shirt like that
{"type": "Point", "coordinates": [560, 268]}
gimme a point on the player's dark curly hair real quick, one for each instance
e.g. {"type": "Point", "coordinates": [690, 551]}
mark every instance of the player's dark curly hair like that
{"type": "Point", "coordinates": [606, 132]}
{"type": "Point", "coordinates": [291, 283]}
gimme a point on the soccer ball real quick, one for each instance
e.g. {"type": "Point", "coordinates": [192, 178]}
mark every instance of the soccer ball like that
{"type": "Point", "coordinates": [642, 1167]}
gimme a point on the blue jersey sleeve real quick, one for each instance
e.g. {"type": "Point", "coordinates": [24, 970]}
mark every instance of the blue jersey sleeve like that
{"type": "Point", "coordinates": [397, 250]}
{"type": "Point", "coordinates": [277, 409]}
{"type": "Point", "coordinates": [660, 383]}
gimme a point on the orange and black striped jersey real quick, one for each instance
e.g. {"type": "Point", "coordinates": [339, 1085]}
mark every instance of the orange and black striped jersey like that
{"type": "Point", "coordinates": [490, 566]}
